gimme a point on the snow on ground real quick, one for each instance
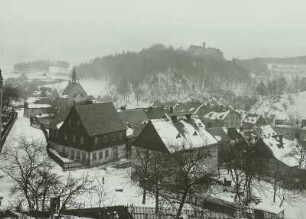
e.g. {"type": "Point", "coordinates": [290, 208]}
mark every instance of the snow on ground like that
{"type": "Point", "coordinates": [294, 204]}
{"type": "Point", "coordinates": [116, 179]}
{"type": "Point", "coordinates": [282, 106]}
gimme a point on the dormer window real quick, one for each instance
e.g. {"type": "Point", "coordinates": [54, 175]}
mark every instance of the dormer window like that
{"type": "Point", "coordinates": [195, 133]}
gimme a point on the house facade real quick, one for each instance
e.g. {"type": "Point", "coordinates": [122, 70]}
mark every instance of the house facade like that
{"type": "Point", "coordinates": [252, 120]}
{"type": "Point", "coordinates": [91, 134]}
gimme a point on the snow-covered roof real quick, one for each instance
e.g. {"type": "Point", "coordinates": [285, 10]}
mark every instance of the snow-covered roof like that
{"type": "Point", "coordinates": [37, 106]}
{"type": "Point", "coordinates": [183, 134]}
{"type": "Point", "coordinates": [269, 136]}
{"type": "Point", "coordinates": [59, 125]}
{"type": "Point", "coordinates": [32, 100]}
{"type": "Point", "coordinates": [44, 115]}
{"type": "Point", "coordinates": [217, 115]}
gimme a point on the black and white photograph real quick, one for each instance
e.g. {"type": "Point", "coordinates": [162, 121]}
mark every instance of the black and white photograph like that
{"type": "Point", "coordinates": [142, 109]}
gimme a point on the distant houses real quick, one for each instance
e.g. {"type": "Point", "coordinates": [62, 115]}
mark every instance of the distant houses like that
{"type": "Point", "coordinates": [34, 106]}
{"type": "Point", "coordinates": [91, 134]}
{"type": "Point", "coordinates": [228, 118]}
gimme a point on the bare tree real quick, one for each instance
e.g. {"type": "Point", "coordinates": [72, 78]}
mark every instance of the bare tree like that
{"type": "Point", "coordinates": [173, 177]}
{"type": "Point", "coordinates": [71, 190]}
{"type": "Point", "coordinates": [29, 168]}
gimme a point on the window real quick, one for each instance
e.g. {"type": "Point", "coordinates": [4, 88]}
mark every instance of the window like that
{"type": "Point", "coordinates": [82, 140]}
{"type": "Point", "coordinates": [74, 138]}
{"type": "Point", "coordinates": [78, 155]}
{"type": "Point", "coordinates": [65, 137]}
{"type": "Point", "coordinates": [106, 153]}
{"type": "Point", "coordinates": [105, 138]}
{"type": "Point", "coordinates": [100, 154]}
{"type": "Point", "coordinates": [94, 156]}
{"type": "Point", "coordinates": [72, 154]}
{"type": "Point", "coordinates": [96, 140]}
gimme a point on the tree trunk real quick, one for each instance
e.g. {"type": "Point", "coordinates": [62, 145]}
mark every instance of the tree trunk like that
{"type": "Point", "coordinates": [179, 211]}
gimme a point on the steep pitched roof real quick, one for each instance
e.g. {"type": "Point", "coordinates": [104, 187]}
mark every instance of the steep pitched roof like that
{"type": "Point", "coordinates": [177, 136]}
{"type": "Point", "coordinates": [135, 119]}
{"type": "Point", "coordinates": [74, 88]}
{"type": "Point", "coordinates": [99, 118]}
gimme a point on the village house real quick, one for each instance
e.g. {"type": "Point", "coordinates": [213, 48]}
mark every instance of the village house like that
{"type": "Point", "coordinates": [91, 134]}
{"type": "Point", "coordinates": [228, 118]}
{"type": "Point", "coordinates": [252, 120]}
{"type": "Point", "coordinates": [135, 121]}
{"type": "Point", "coordinates": [74, 89]}
{"type": "Point", "coordinates": [179, 134]}
{"type": "Point", "coordinates": [193, 107]}
{"type": "Point", "coordinates": [34, 106]}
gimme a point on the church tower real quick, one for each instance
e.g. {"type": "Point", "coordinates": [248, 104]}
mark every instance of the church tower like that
{"type": "Point", "coordinates": [73, 77]}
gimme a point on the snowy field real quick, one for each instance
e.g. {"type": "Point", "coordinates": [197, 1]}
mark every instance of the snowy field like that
{"type": "Point", "coordinates": [114, 178]}
{"type": "Point", "coordinates": [282, 106]}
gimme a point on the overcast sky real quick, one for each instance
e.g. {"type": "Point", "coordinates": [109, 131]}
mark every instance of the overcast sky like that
{"type": "Point", "coordinates": [79, 30]}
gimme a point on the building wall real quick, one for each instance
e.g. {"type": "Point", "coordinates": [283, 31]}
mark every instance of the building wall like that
{"type": "Point", "coordinates": [91, 158]}
{"type": "Point", "coordinates": [35, 111]}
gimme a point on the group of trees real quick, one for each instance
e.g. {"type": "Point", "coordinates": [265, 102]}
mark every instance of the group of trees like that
{"type": "Point", "coordinates": [171, 178]}
{"type": "Point", "coordinates": [133, 67]}
{"type": "Point", "coordinates": [34, 183]}
{"type": "Point", "coordinates": [275, 86]}
{"type": "Point", "coordinates": [39, 65]}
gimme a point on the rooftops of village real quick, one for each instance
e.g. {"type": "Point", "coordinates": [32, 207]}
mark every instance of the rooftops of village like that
{"type": "Point", "coordinates": [176, 134]}
{"type": "Point", "coordinates": [217, 115]}
{"type": "Point", "coordinates": [135, 120]}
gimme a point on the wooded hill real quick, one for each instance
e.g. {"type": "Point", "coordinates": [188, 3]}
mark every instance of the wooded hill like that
{"type": "Point", "coordinates": [134, 67]}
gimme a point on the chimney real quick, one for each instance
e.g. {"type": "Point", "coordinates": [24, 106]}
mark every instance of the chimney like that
{"type": "Point", "coordinates": [188, 117]}
{"type": "Point", "coordinates": [171, 109]}
{"type": "Point", "coordinates": [174, 118]}
{"type": "Point", "coordinates": [281, 144]}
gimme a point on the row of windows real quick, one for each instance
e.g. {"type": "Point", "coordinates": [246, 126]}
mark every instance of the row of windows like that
{"type": "Point", "coordinates": [111, 137]}
{"type": "Point", "coordinates": [106, 154]}
{"type": "Point", "coordinates": [105, 138]}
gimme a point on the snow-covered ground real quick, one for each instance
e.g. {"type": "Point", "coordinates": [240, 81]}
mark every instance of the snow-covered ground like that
{"type": "Point", "coordinates": [117, 179]}
{"type": "Point", "coordinates": [282, 106]}
{"type": "Point", "coordinates": [114, 178]}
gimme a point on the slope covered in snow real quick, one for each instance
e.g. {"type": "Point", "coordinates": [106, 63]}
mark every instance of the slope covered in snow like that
{"type": "Point", "coordinates": [283, 106]}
